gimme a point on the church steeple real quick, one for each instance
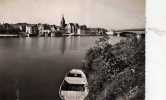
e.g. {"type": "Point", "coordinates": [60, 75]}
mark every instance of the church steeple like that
{"type": "Point", "coordinates": [63, 23]}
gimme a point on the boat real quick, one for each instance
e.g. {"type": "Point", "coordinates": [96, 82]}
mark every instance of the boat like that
{"type": "Point", "coordinates": [74, 86]}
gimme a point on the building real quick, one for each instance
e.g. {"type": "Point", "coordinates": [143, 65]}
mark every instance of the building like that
{"type": "Point", "coordinates": [22, 26]}
{"type": "Point", "coordinates": [35, 30]}
{"type": "Point", "coordinates": [72, 28]}
{"type": "Point", "coordinates": [47, 30]}
{"type": "Point", "coordinates": [31, 30]}
{"type": "Point", "coordinates": [40, 29]}
{"type": "Point", "coordinates": [82, 29]}
{"type": "Point", "coordinates": [28, 29]}
{"type": "Point", "coordinates": [63, 23]}
{"type": "Point", "coordinates": [76, 27]}
{"type": "Point", "coordinates": [53, 30]}
{"type": "Point", "coordinates": [96, 31]}
{"type": "Point", "coordinates": [69, 28]}
{"type": "Point", "coordinates": [110, 32]}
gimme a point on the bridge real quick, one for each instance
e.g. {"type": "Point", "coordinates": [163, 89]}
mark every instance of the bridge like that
{"type": "Point", "coordinates": [138, 32]}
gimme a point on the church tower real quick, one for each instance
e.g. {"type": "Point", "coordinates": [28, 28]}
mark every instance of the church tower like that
{"type": "Point", "coordinates": [62, 23]}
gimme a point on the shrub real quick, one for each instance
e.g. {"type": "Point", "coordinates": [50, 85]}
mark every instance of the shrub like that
{"type": "Point", "coordinates": [116, 69]}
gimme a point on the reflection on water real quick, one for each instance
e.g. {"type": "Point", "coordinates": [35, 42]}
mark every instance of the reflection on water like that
{"type": "Point", "coordinates": [70, 43]}
{"type": "Point", "coordinates": [62, 44]}
{"type": "Point", "coordinates": [33, 68]}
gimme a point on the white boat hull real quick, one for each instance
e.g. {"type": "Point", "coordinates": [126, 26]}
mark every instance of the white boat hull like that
{"type": "Point", "coordinates": [74, 94]}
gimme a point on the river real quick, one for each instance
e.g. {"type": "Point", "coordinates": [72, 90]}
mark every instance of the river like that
{"type": "Point", "coordinates": [33, 68]}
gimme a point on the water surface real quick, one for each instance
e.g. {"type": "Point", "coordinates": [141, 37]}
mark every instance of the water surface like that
{"type": "Point", "coordinates": [33, 68]}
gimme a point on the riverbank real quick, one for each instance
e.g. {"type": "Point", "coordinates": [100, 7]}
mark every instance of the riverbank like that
{"type": "Point", "coordinates": [116, 72]}
{"type": "Point", "coordinates": [15, 35]}
{"type": "Point", "coordinates": [8, 35]}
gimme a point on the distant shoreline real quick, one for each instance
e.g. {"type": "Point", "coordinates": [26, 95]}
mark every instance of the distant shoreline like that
{"type": "Point", "coordinates": [15, 35]}
{"type": "Point", "coordinates": [9, 35]}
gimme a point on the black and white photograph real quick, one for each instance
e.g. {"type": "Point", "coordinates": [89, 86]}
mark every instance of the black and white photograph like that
{"type": "Point", "coordinates": [72, 49]}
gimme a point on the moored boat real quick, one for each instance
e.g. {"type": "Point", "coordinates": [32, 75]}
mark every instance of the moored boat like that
{"type": "Point", "coordinates": [74, 86]}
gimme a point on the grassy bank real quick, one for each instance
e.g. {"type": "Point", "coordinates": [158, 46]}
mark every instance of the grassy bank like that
{"type": "Point", "coordinates": [116, 72]}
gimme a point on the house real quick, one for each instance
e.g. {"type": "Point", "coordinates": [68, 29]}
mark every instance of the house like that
{"type": "Point", "coordinates": [28, 30]}
{"type": "Point", "coordinates": [76, 27]}
{"type": "Point", "coordinates": [46, 30]}
{"type": "Point", "coordinates": [72, 28]}
{"type": "Point", "coordinates": [53, 30]}
{"type": "Point", "coordinates": [40, 29]}
{"type": "Point", "coordinates": [110, 32]}
{"type": "Point", "coordinates": [79, 31]}
{"type": "Point", "coordinates": [35, 30]}
{"type": "Point", "coordinates": [82, 29]}
{"type": "Point", "coordinates": [22, 26]}
{"type": "Point", "coordinates": [31, 30]}
{"type": "Point", "coordinates": [96, 31]}
{"type": "Point", "coordinates": [43, 29]}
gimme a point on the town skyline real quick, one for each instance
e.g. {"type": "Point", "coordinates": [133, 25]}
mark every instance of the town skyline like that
{"type": "Point", "coordinates": [93, 13]}
{"type": "Point", "coordinates": [40, 29]}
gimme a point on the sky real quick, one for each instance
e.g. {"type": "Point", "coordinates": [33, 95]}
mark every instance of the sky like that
{"type": "Point", "coordinates": [110, 14]}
